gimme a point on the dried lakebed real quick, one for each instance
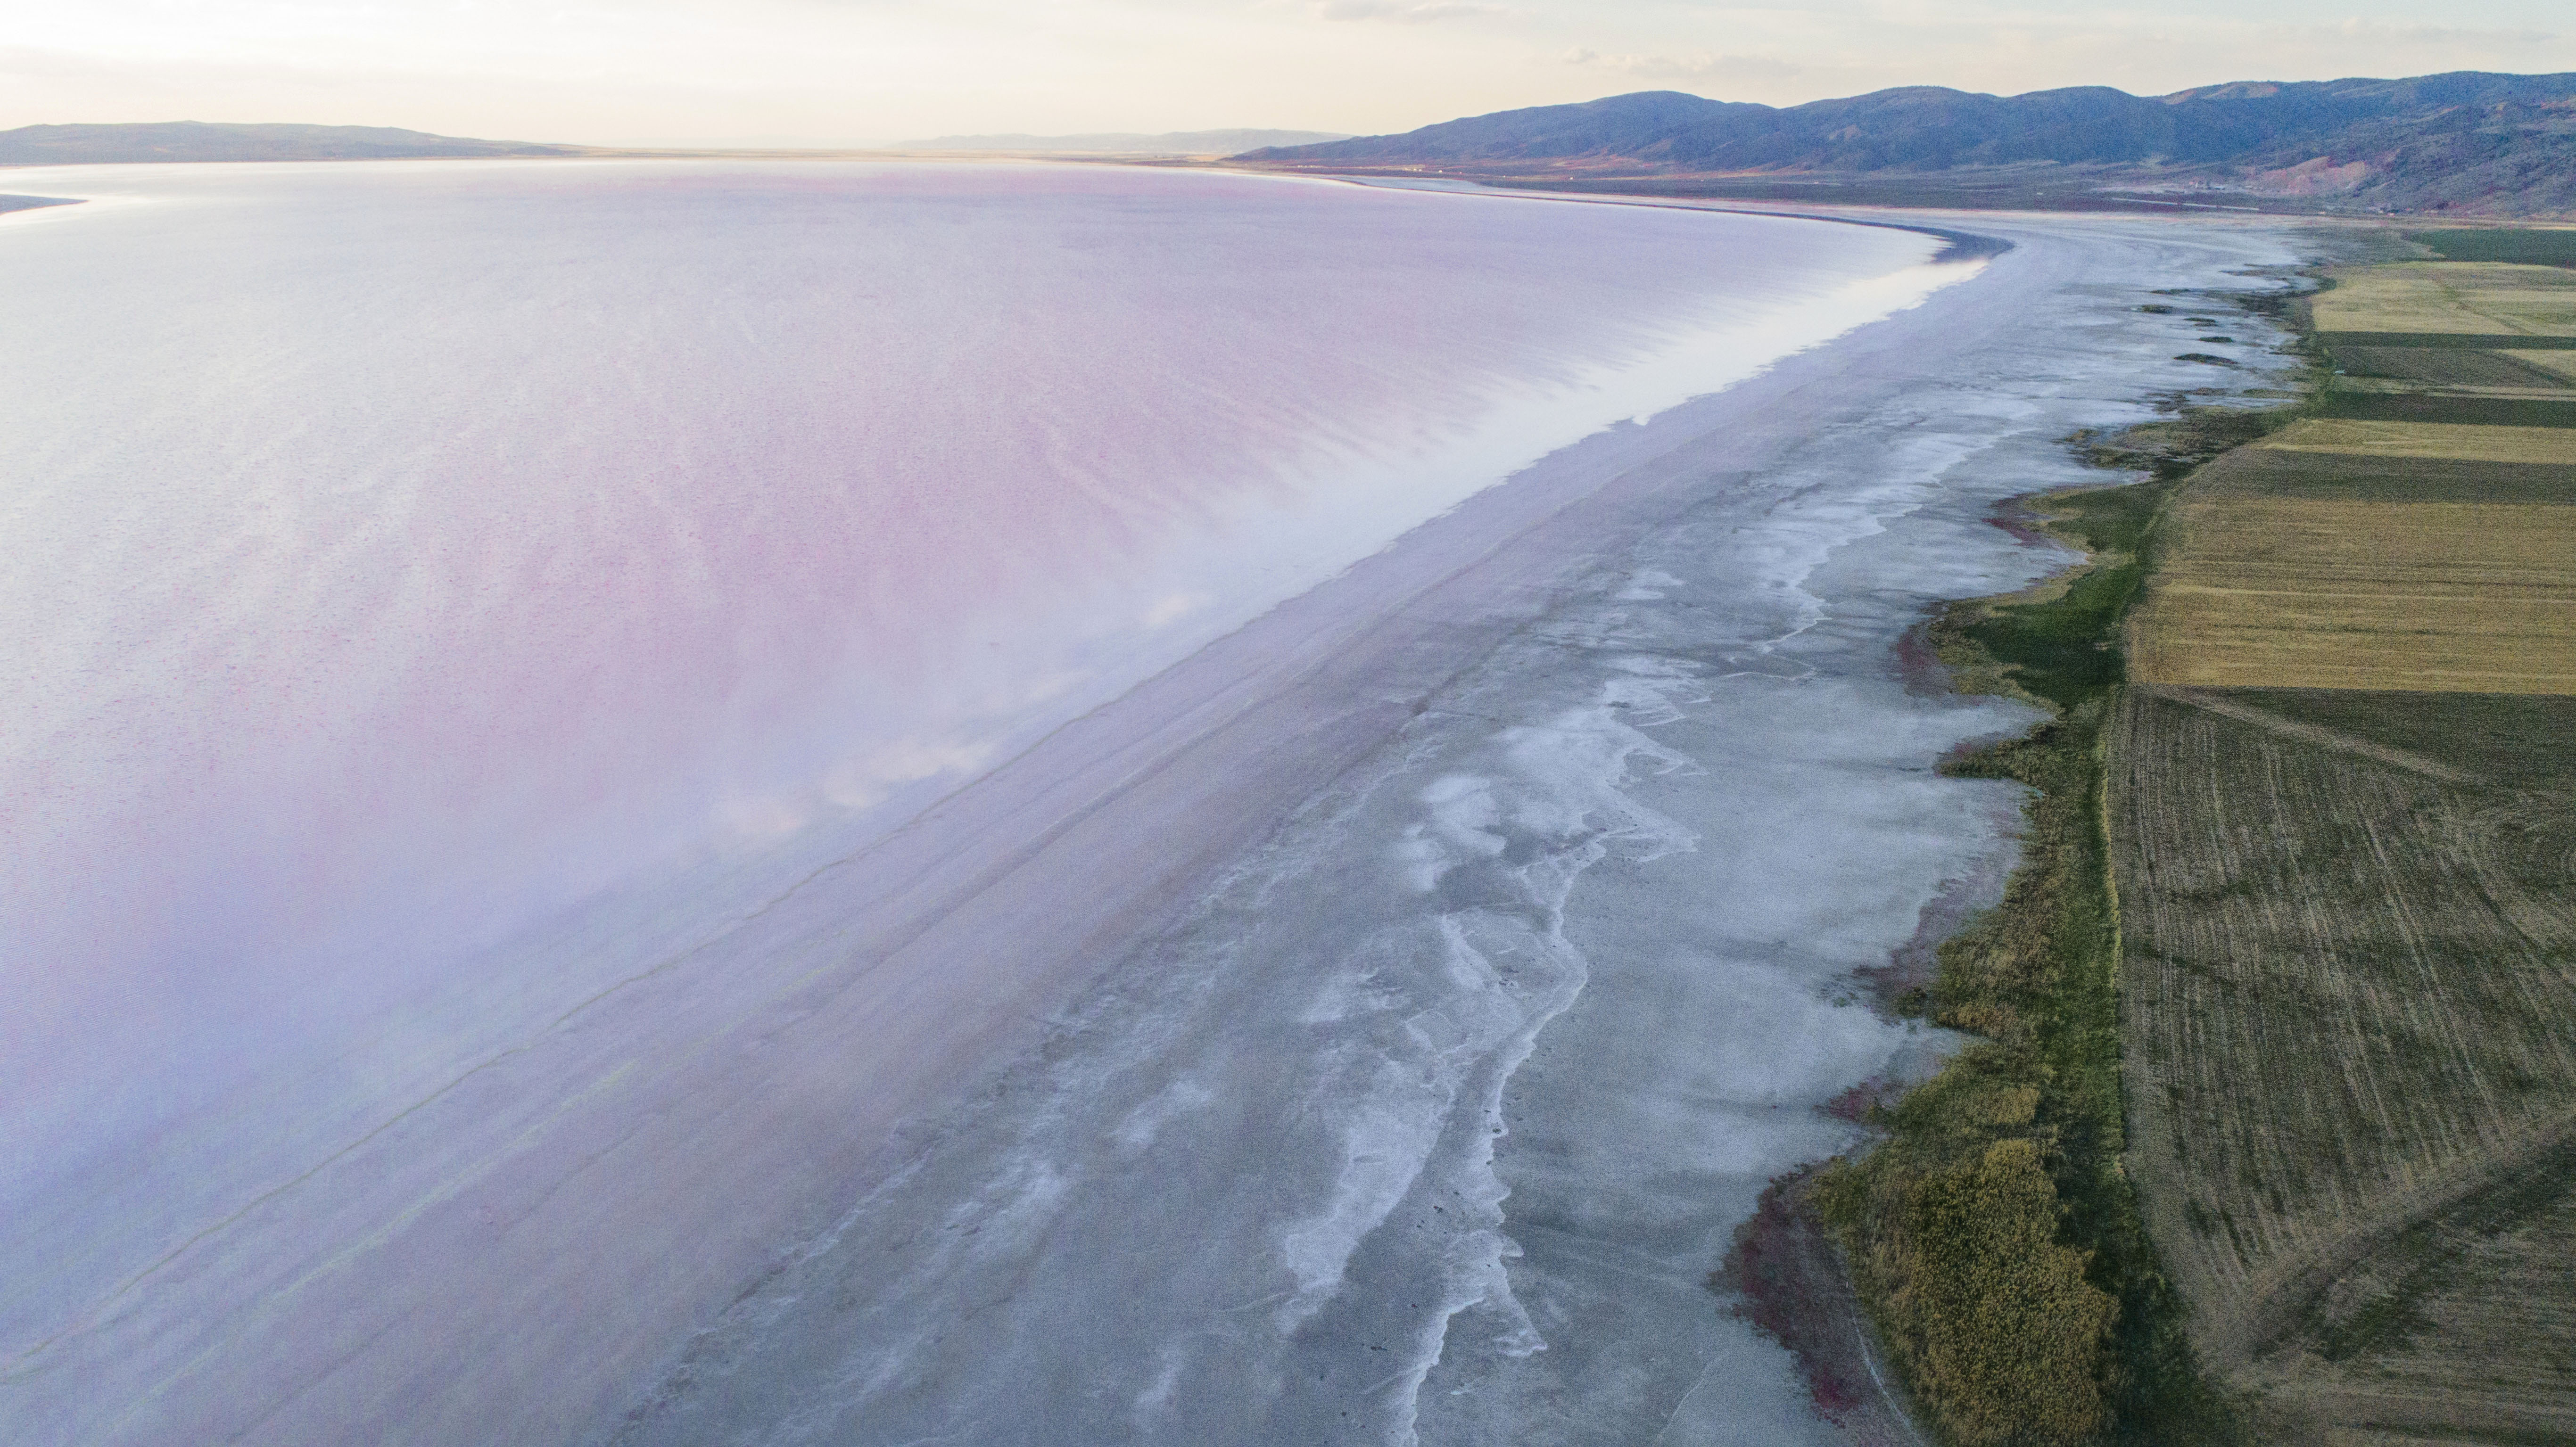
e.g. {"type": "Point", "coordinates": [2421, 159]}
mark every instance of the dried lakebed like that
{"type": "Point", "coordinates": [1433, 1121]}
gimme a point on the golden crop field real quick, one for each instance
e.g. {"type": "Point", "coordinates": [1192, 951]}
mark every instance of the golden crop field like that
{"type": "Point", "coordinates": [2555, 446]}
{"type": "Point", "coordinates": [2557, 364]}
{"type": "Point", "coordinates": [2273, 573]}
{"type": "Point", "coordinates": [2351, 1080]}
{"type": "Point", "coordinates": [2306, 592]}
{"type": "Point", "coordinates": [2461, 298]}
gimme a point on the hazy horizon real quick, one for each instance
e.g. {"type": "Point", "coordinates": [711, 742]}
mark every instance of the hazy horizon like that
{"type": "Point", "coordinates": [831, 73]}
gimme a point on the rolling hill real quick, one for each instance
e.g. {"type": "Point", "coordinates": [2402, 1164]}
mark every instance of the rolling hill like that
{"type": "Point", "coordinates": [2468, 142]}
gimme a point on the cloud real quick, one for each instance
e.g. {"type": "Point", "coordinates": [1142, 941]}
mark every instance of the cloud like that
{"type": "Point", "coordinates": [1701, 65]}
{"type": "Point", "coordinates": [1414, 14]}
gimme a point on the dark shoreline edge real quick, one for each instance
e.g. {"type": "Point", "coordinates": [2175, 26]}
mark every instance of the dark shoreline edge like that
{"type": "Point", "coordinates": [31, 203]}
{"type": "Point", "coordinates": [1792, 1266]}
{"type": "Point", "coordinates": [1956, 246]}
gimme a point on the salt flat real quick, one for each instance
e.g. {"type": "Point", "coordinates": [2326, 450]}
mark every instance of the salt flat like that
{"type": "Point", "coordinates": [1365, 1015]}
{"type": "Point", "coordinates": [1432, 1124]}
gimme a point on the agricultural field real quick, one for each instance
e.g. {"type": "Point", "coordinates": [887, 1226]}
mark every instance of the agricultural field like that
{"type": "Point", "coordinates": [2561, 365]}
{"type": "Point", "coordinates": [2457, 366]}
{"type": "Point", "coordinates": [2530, 245]}
{"type": "Point", "coordinates": [2268, 1131]}
{"type": "Point", "coordinates": [2340, 797]}
{"type": "Point", "coordinates": [2274, 571]}
{"type": "Point", "coordinates": [2338, 437]}
{"type": "Point", "coordinates": [2349, 979]}
{"type": "Point", "coordinates": [2448, 298]}
{"type": "Point", "coordinates": [2487, 344]}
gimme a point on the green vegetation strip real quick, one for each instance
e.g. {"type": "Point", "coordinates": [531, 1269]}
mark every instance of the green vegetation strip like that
{"type": "Point", "coordinates": [1992, 1236]}
{"type": "Point", "coordinates": [2529, 246]}
{"type": "Point", "coordinates": [2444, 367]}
{"type": "Point", "coordinates": [2456, 411]}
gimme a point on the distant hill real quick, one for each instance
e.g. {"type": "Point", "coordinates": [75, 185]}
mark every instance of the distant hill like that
{"type": "Point", "coordinates": [1121, 143]}
{"type": "Point", "coordinates": [200, 141]}
{"type": "Point", "coordinates": [2468, 141]}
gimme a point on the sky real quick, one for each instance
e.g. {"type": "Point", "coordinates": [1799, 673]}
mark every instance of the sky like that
{"type": "Point", "coordinates": [855, 72]}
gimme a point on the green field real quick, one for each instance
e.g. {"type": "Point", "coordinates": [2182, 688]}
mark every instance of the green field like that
{"type": "Point", "coordinates": [2452, 367]}
{"type": "Point", "coordinates": [2450, 407]}
{"type": "Point", "coordinates": [2523, 245]}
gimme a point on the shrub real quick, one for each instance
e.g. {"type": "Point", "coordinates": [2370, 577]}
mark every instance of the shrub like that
{"type": "Point", "coordinates": [2011, 1334]}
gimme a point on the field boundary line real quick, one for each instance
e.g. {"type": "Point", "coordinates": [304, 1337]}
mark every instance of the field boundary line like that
{"type": "Point", "coordinates": [2284, 1296]}
{"type": "Point", "coordinates": [2307, 733]}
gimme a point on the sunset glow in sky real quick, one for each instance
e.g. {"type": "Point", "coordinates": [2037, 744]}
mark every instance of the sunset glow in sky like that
{"type": "Point", "coordinates": [829, 72]}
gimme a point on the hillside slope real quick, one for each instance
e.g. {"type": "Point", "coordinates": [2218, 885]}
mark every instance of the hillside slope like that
{"type": "Point", "coordinates": [2467, 141]}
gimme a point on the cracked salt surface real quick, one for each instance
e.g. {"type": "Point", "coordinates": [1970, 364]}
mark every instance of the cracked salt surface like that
{"type": "Point", "coordinates": [1433, 1122]}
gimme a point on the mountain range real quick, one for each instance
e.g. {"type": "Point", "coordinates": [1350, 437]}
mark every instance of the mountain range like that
{"type": "Point", "coordinates": [202, 141]}
{"type": "Point", "coordinates": [2468, 142]}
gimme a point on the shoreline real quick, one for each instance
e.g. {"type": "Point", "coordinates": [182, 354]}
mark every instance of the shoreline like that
{"type": "Point", "coordinates": [1793, 1264]}
{"type": "Point", "coordinates": [2407, 1280]}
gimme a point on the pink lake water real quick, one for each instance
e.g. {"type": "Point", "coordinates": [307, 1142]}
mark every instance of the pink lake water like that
{"type": "Point", "coordinates": [414, 567]}
{"type": "Point", "coordinates": [403, 553]}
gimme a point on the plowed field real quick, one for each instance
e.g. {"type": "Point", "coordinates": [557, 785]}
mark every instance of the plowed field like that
{"type": "Point", "coordinates": [2351, 1072]}
{"type": "Point", "coordinates": [2341, 801]}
